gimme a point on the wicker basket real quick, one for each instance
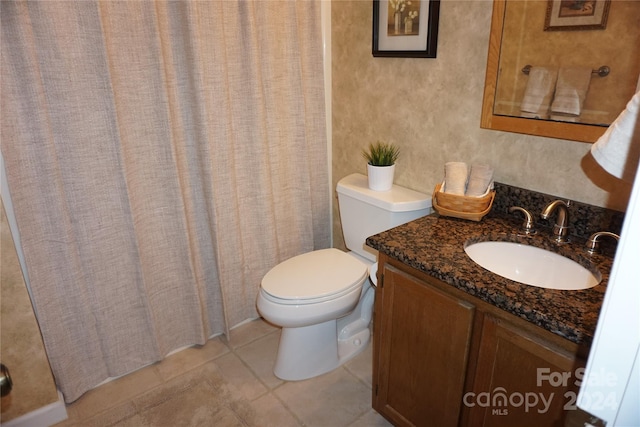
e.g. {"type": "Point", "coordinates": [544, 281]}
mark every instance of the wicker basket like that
{"type": "Point", "coordinates": [465, 207]}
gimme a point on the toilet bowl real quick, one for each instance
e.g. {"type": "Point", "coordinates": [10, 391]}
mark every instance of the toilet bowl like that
{"type": "Point", "coordinates": [313, 297]}
{"type": "Point", "coordinates": [323, 299]}
{"type": "Point", "coordinates": [326, 293]}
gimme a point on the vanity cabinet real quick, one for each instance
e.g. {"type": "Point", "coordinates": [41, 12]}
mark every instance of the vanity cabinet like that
{"type": "Point", "coordinates": [445, 358]}
{"type": "Point", "coordinates": [422, 352]}
{"type": "Point", "coordinates": [530, 381]}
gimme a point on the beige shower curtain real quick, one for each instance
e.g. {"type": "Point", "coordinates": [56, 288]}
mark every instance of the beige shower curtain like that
{"type": "Point", "coordinates": [161, 157]}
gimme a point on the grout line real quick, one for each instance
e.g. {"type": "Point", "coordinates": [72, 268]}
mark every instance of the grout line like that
{"type": "Point", "coordinates": [270, 390]}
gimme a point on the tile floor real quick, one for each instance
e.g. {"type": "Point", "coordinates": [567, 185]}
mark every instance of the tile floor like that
{"type": "Point", "coordinates": [230, 383]}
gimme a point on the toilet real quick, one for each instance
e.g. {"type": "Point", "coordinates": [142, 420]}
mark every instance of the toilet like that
{"type": "Point", "coordinates": [323, 299]}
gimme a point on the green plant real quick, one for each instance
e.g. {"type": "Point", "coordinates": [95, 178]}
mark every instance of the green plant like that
{"type": "Point", "coordinates": [381, 154]}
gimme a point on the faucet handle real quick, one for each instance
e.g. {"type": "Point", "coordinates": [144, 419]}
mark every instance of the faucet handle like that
{"type": "Point", "coordinates": [592, 242]}
{"type": "Point", "coordinates": [527, 225]}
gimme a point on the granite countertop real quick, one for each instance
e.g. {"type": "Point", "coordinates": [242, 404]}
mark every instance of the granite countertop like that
{"type": "Point", "coordinates": [434, 244]}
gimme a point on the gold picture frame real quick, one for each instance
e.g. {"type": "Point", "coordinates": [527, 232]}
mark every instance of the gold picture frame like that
{"type": "Point", "coordinates": [576, 15]}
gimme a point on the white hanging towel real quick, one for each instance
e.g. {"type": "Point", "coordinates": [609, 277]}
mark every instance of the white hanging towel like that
{"type": "Point", "coordinates": [539, 92]}
{"type": "Point", "coordinates": [571, 90]}
{"type": "Point", "coordinates": [618, 150]}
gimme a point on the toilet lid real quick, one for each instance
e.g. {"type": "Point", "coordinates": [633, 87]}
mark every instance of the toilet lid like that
{"type": "Point", "coordinates": [314, 275]}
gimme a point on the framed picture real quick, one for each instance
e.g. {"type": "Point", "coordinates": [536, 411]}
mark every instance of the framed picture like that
{"type": "Point", "coordinates": [405, 28]}
{"type": "Point", "coordinates": [563, 15]}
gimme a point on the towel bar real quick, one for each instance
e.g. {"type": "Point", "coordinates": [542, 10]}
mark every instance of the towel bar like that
{"type": "Point", "coordinates": [602, 71]}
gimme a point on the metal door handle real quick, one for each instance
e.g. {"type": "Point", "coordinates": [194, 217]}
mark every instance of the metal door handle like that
{"type": "Point", "coordinates": [5, 381]}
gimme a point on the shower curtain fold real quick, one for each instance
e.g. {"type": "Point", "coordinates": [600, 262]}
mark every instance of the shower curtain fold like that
{"type": "Point", "coordinates": [161, 157]}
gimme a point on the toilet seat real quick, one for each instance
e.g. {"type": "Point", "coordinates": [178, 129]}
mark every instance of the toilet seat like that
{"type": "Point", "coordinates": [314, 277]}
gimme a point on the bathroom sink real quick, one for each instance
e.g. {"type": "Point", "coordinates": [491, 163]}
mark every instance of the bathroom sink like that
{"type": "Point", "coordinates": [532, 266]}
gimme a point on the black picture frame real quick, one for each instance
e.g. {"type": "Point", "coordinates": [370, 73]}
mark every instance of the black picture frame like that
{"type": "Point", "coordinates": [391, 41]}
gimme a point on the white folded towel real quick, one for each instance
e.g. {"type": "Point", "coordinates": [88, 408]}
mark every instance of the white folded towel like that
{"type": "Point", "coordinates": [618, 150]}
{"type": "Point", "coordinates": [455, 177]}
{"type": "Point", "coordinates": [571, 90]}
{"type": "Point", "coordinates": [542, 115]}
{"type": "Point", "coordinates": [564, 118]}
{"type": "Point", "coordinates": [480, 177]}
{"type": "Point", "coordinates": [539, 92]}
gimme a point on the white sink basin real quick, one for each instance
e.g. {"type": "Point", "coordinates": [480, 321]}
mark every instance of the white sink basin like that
{"type": "Point", "coordinates": [531, 265]}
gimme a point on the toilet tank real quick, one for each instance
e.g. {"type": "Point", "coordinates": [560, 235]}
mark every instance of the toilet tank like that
{"type": "Point", "coordinates": [365, 212]}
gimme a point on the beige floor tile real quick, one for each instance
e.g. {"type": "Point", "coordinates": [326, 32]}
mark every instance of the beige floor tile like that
{"type": "Point", "coordinates": [207, 402]}
{"type": "Point", "coordinates": [362, 365]}
{"type": "Point", "coordinates": [214, 376]}
{"type": "Point", "coordinates": [270, 412]}
{"type": "Point", "coordinates": [199, 397]}
{"type": "Point", "coordinates": [260, 356]}
{"type": "Point", "coordinates": [219, 385]}
{"type": "Point", "coordinates": [121, 415]}
{"type": "Point", "coordinates": [249, 332]}
{"type": "Point", "coordinates": [236, 373]}
{"type": "Point", "coordinates": [134, 421]}
{"type": "Point", "coordinates": [333, 399]}
{"type": "Point", "coordinates": [67, 423]}
{"type": "Point", "coordinates": [191, 358]}
{"type": "Point", "coordinates": [117, 392]}
{"type": "Point", "coordinates": [371, 419]}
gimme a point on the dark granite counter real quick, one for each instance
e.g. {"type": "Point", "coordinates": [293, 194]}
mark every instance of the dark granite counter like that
{"type": "Point", "coordinates": [435, 245]}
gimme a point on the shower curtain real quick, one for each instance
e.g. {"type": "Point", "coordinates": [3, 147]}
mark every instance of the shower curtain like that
{"type": "Point", "coordinates": [161, 157]}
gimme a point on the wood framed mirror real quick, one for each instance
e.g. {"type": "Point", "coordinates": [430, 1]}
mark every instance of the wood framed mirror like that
{"type": "Point", "coordinates": [618, 81]}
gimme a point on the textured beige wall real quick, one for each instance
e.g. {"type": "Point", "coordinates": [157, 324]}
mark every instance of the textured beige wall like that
{"type": "Point", "coordinates": [22, 350]}
{"type": "Point", "coordinates": [431, 109]}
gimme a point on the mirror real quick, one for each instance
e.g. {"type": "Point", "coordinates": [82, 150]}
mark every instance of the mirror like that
{"type": "Point", "coordinates": [522, 35]}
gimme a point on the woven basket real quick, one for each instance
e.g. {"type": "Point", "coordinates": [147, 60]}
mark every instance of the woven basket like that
{"type": "Point", "coordinates": [465, 207]}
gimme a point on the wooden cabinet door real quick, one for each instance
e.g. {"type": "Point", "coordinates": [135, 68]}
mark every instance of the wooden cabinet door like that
{"type": "Point", "coordinates": [424, 339]}
{"type": "Point", "coordinates": [521, 380]}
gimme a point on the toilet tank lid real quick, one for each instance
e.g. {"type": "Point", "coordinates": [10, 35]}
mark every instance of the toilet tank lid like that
{"type": "Point", "coordinates": [398, 199]}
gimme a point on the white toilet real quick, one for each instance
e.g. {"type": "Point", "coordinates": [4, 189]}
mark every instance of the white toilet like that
{"type": "Point", "coordinates": [323, 300]}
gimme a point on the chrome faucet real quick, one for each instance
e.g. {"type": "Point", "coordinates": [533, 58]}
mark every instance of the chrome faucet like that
{"type": "Point", "coordinates": [561, 227]}
{"type": "Point", "coordinates": [592, 242]}
{"type": "Point", "coordinates": [527, 226]}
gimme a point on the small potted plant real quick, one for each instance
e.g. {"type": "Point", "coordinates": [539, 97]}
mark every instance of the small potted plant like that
{"type": "Point", "coordinates": [381, 160]}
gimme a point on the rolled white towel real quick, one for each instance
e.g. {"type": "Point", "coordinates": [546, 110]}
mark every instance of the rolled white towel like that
{"type": "Point", "coordinates": [480, 178]}
{"type": "Point", "coordinates": [455, 177]}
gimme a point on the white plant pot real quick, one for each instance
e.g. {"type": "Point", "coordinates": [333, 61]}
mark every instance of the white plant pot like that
{"type": "Point", "coordinates": [380, 177]}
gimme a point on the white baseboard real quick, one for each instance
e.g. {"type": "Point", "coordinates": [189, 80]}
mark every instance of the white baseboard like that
{"type": "Point", "coordinates": [45, 416]}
